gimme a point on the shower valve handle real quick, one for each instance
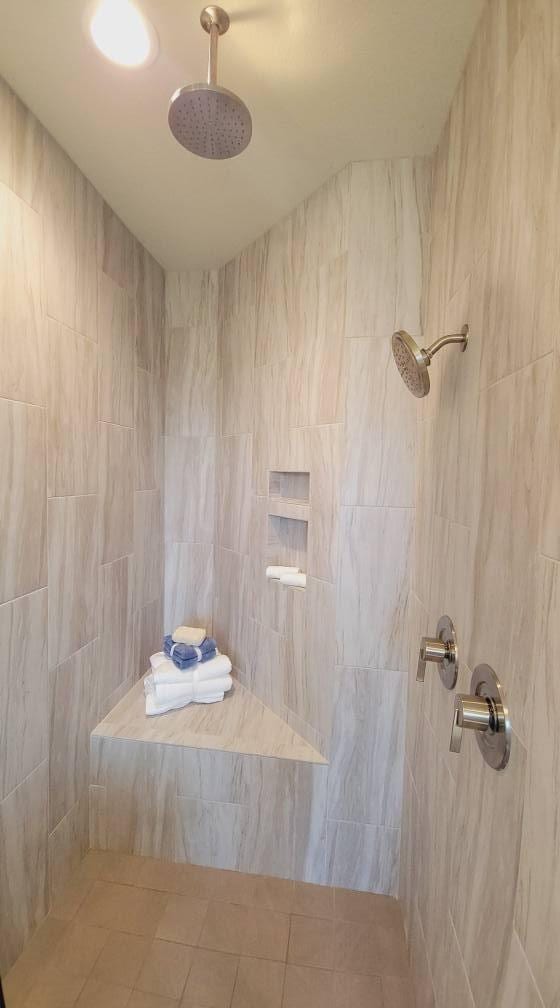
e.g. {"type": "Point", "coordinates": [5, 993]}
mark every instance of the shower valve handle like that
{"type": "Point", "coordinates": [442, 650]}
{"type": "Point", "coordinates": [474, 712]}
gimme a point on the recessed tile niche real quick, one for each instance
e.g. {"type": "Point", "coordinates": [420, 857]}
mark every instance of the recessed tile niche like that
{"type": "Point", "coordinates": [288, 518]}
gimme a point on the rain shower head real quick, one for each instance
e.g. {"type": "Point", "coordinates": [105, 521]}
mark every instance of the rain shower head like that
{"type": "Point", "coordinates": [413, 362]}
{"type": "Point", "coordinates": [205, 118]}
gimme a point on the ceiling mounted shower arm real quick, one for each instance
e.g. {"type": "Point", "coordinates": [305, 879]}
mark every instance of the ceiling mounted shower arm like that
{"type": "Point", "coordinates": [461, 337]}
{"type": "Point", "coordinates": [215, 21]}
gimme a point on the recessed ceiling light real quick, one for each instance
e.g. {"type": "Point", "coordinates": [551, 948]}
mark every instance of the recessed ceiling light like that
{"type": "Point", "coordinates": [122, 33]}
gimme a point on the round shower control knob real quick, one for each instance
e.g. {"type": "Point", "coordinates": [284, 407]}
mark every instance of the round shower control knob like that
{"type": "Point", "coordinates": [484, 711]}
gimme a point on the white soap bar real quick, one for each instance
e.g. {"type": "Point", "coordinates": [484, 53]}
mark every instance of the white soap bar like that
{"type": "Point", "coordinates": [277, 571]}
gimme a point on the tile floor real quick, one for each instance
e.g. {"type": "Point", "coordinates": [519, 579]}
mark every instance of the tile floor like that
{"type": "Point", "coordinates": [132, 932]}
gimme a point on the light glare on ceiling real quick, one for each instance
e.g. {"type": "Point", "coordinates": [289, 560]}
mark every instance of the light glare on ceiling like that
{"type": "Point", "coordinates": [122, 34]}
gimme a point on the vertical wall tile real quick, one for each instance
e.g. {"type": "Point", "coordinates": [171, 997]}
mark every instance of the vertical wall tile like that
{"type": "Point", "coordinates": [149, 444]}
{"type": "Point", "coordinates": [117, 353]}
{"type": "Point", "coordinates": [190, 472]}
{"type": "Point", "coordinates": [362, 857]}
{"type": "Point", "coordinates": [72, 413]}
{"type": "Point", "coordinates": [367, 749]}
{"type": "Point", "coordinates": [379, 430]}
{"type": "Point", "coordinates": [275, 295]}
{"type": "Point", "coordinates": [23, 499]}
{"type": "Point", "coordinates": [73, 575]}
{"type": "Point", "coordinates": [23, 863]}
{"type": "Point", "coordinates": [374, 551]}
{"type": "Point", "coordinates": [23, 690]}
{"type": "Point", "coordinates": [116, 458]}
{"type": "Point", "coordinates": [116, 606]}
{"type": "Point", "coordinates": [68, 844]}
{"type": "Point", "coordinates": [148, 634]}
{"type": "Point", "coordinates": [22, 323]}
{"type": "Point", "coordinates": [148, 545]}
{"type": "Point", "coordinates": [21, 160]}
{"type": "Point", "coordinates": [150, 308]}
{"type": "Point", "coordinates": [189, 569]}
{"type": "Point", "coordinates": [233, 483]}
{"type": "Point", "coordinates": [74, 705]}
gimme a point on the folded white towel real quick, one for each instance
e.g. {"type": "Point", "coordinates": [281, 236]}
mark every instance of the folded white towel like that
{"type": "Point", "coordinates": [152, 707]}
{"type": "Point", "coordinates": [188, 692]}
{"type": "Point", "coordinates": [159, 660]}
{"type": "Point", "coordinates": [189, 635]}
{"type": "Point", "coordinates": [276, 572]}
{"type": "Point", "coordinates": [294, 580]}
{"type": "Point", "coordinates": [215, 667]}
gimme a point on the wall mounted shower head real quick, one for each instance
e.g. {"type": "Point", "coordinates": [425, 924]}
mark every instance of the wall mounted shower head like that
{"type": "Point", "coordinates": [413, 362]}
{"type": "Point", "coordinates": [205, 118]}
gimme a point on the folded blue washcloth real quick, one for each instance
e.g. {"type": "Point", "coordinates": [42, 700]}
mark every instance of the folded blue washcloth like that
{"type": "Point", "coordinates": [184, 656]}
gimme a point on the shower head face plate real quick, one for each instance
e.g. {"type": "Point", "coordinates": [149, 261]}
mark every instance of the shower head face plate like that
{"type": "Point", "coordinates": [412, 363]}
{"type": "Point", "coordinates": [210, 121]}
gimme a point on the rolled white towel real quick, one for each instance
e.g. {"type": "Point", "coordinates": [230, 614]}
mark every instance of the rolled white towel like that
{"type": "Point", "coordinates": [169, 692]}
{"type": "Point", "coordinates": [275, 572]}
{"type": "Point", "coordinates": [215, 667]}
{"type": "Point", "coordinates": [189, 635]}
{"type": "Point", "coordinates": [153, 707]}
{"type": "Point", "coordinates": [294, 580]}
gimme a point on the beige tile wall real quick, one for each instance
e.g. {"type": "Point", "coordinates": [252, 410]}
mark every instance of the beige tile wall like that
{"type": "Point", "coordinates": [81, 322]}
{"type": "Point", "coordinates": [281, 362]}
{"type": "Point", "coordinates": [480, 875]}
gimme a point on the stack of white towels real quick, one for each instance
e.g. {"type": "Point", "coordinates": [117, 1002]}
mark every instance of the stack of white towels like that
{"type": "Point", "coordinates": [291, 576]}
{"type": "Point", "coordinates": [190, 669]}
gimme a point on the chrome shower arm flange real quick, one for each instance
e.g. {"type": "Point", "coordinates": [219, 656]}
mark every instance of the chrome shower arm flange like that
{"type": "Point", "coordinates": [213, 15]}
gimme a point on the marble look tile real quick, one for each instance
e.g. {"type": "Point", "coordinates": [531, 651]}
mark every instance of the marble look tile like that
{"type": "Point", "coordinates": [23, 863]}
{"type": "Point", "coordinates": [310, 654]}
{"type": "Point", "coordinates": [510, 465]}
{"type": "Point", "coordinates": [22, 323]}
{"type": "Point", "coordinates": [518, 982]}
{"type": "Point", "coordinates": [149, 443]}
{"type": "Point", "coordinates": [367, 747]}
{"type": "Point", "coordinates": [362, 856]}
{"type": "Point", "coordinates": [211, 979]}
{"type": "Point", "coordinates": [310, 838]}
{"type": "Point", "coordinates": [117, 250]}
{"type": "Point", "coordinates": [550, 533]}
{"type": "Point", "coordinates": [150, 309]}
{"type": "Point", "coordinates": [275, 305]}
{"type": "Point", "coordinates": [233, 504]}
{"type": "Point", "coordinates": [72, 413]}
{"type": "Point", "coordinates": [537, 913]}
{"type": "Point", "coordinates": [320, 224]}
{"type": "Point", "coordinates": [73, 575]}
{"type": "Point", "coordinates": [485, 873]}
{"type": "Point", "coordinates": [229, 621]}
{"type": "Point", "coordinates": [269, 843]}
{"type": "Point", "coordinates": [74, 712]}
{"type": "Point", "coordinates": [23, 693]}
{"type": "Point", "coordinates": [117, 352]}
{"type": "Point", "coordinates": [23, 499]}
{"type": "Point", "coordinates": [237, 359]}
{"type": "Point", "coordinates": [319, 451]}
{"type": "Point", "coordinates": [422, 559]}
{"type": "Point", "coordinates": [140, 784]}
{"type": "Point", "coordinates": [519, 260]}
{"type": "Point", "coordinates": [148, 634]}
{"type": "Point", "coordinates": [190, 409]}
{"type": "Point", "coordinates": [270, 423]}
{"type": "Point", "coordinates": [318, 365]}
{"type": "Point", "coordinates": [191, 299]}
{"type": "Point", "coordinates": [452, 986]}
{"type": "Point", "coordinates": [419, 966]}
{"type": "Point", "coordinates": [148, 546]}
{"type": "Point", "coordinates": [68, 843]}
{"type": "Point", "coordinates": [116, 602]}
{"type": "Point", "coordinates": [375, 546]}
{"type": "Point", "coordinates": [412, 222]}
{"type": "Point", "coordinates": [265, 666]}
{"type": "Point", "coordinates": [211, 833]}
{"type": "Point", "coordinates": [380, 426]}
{"type": "Point", "coordinates": [72, 229]}
{"type": "Point", "coordinates": [189, 577]}
{"type": "Point", "coordinates": [370, 947]}
{"type": "Point", "coordinates": [21, 160]}
{"type": "Point", "coordinates": [116, 488]}
{"type": "Point", "coordinates": [125, 908]}
{"type": "Point", "coordinates": [371, 295]}
{"type": "Point", "coordinates": [190, 473]}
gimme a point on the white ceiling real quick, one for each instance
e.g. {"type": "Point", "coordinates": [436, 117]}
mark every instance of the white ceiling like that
{"type": "Point", "coordinates": [327, 82]}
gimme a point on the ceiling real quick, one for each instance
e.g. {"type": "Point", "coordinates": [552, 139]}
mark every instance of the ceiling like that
{"type": "Point", "coordinates": [327, 82]}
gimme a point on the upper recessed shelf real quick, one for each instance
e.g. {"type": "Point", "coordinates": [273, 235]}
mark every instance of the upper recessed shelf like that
{"type": "Point", "coordinates": [289, 486]}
